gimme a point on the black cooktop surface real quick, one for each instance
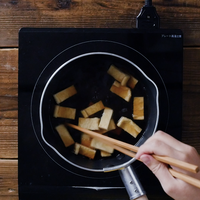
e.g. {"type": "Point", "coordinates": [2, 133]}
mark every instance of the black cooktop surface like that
{"type": "Point", "coordinates": [42, 174]}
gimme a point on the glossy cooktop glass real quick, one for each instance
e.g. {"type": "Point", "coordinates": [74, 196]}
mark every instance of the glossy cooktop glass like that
{"type": "Point", "coordinates": [158, 54]}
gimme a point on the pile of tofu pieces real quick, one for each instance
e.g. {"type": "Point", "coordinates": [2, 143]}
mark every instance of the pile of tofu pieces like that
{"type": "Point", "coordinates": [122, 87]}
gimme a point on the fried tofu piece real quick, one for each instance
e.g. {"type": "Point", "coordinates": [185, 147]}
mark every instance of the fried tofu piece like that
{"type": "Point", "coordinates": [111, 127]}
{"type": "Point", "coordinates": [64, 112]}
{"type": "Point", "coordinates": [105, 154]}
{"type": "Point", "coordinates": [86, 140]}
{"type": "Point", "coordinates": [101, 131]}
{"type": "Point", "coordinates": [138, 108]}
{"type": "Point", "coordinates": [76, 148]}
{"type": "Point", "coordinates": [85, 151]}
{"type": "Point", "coordinates": [65, 94]}
{"type": "Point", "coordinates": [125, 80]}
{"type": "Point", "coordinates": [132, 82]}
{"type": "Point", "coordinates": [95, 143]}
{"type": "Point", "coordinates": [105, 119]}
{"type": "Point", "coordinates": [122, 91]}
{"type": "Point", "coordinates": [92, 109]}
{"type": "Point", "coordinates": [129, 126]}
{"type": "Point", "coordinates": [64, 135]}
{"type": "Point", "coordinates": [117, 84]}
{"type": "Point", "coordinates": [118, 75]}
{"type": "Point", "coordinates": [89, 123]}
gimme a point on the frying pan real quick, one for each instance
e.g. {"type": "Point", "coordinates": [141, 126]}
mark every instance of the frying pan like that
{"type": "Point", "coordinates": [85, 65]}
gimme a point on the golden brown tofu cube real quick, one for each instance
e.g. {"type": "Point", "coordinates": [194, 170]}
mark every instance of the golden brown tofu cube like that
{"type": "Point", "coordinates": [92, 109]}
{"type": "Point", "coordinates": [89, 123]}
{"type": "Point", "coordinates": [85, 151]}
{"type": "Point", "coordinates": [118, 75]}
{"type": "Point", "coordinates": [129, 126]}
{"type": "Point", "coordinates": [105, 119]}
{"type": "Point", "coordinates": [64, 112]}
{"type": "Point", "coordinates": [97, 144]}
{"type": "Point", "coordinates": [138, 108]}
{"type": "Point", "coordinates": [132, 82]}
{"type": "Point", "coordinates": [121, 91]}
{"type": "Point", "coordinates": [65, 94]}
{"type": "Point", "coordinates": [85, 140]}
{"type": "Point", "coordinates": [105, 154]}
{"type": "Point", "coordinates": [65, 135]}
{"type": "Point", "coordinates": [111, 126]}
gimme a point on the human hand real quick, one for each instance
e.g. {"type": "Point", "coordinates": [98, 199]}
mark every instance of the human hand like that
{"type": "Point", "coordinates": [165, 145]}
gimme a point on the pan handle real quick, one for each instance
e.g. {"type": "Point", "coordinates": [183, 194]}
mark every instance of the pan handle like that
{"type": "Point", "coordinates": [132, 183]}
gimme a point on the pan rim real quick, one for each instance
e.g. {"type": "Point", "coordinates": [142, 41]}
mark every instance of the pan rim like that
{"type": "Point", "coordinates": [44, 91]}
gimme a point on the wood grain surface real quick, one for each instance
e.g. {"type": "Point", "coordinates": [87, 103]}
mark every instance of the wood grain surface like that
{"type": "Point", "coordinates": [14, 14]}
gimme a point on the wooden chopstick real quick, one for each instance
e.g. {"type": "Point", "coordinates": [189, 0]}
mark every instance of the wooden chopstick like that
{"type": "Point", "coordinates": [103, 137]}
{"type": "Point", "coordinates": [167, 160]}
{"type": "Point", "coordinates": [188, 179]}
{"type": "Point", "coordinates": [114, 144]}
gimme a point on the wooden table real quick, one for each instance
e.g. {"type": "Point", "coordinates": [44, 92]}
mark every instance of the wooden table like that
{"type": "Point", "coordinates": [183, 14]}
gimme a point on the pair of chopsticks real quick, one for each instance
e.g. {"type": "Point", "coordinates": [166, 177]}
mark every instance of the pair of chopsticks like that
{"type": "Point", "coordinates": [129, 150]}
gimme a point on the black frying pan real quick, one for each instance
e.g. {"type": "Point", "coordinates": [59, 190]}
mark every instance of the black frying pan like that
{"type": "Point", "coordinates": [85, 65]}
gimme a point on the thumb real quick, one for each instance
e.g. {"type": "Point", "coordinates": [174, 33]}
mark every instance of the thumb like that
{"type": "Point", "coordinates": [159, 169]}
{"type": "Point", "coordinates": [151, 163]}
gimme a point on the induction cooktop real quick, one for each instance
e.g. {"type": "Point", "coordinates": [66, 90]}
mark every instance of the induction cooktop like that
{"type": "Point", "coordinates": [43, 176]}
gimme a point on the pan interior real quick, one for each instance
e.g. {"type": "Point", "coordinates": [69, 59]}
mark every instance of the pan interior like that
{"type": "Point", "coordinates": [88, 73]}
